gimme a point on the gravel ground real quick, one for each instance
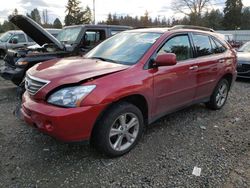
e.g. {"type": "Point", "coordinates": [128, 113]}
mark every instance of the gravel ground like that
{"type": "Point", "coordinates": [218, 142]}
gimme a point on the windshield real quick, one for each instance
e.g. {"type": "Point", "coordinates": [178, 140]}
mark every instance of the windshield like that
{"type": "Point", "coordinates": [245, 47]}
{"type": "Point", "coordinates": [125, 48]}
{"type": "Point", "coordinates": [5, 37]}
{"type": "Point", "coordinates": [69, 35]}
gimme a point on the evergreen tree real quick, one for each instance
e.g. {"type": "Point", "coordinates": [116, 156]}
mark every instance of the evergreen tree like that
{"type": "Point", "coordinates": [245, 19]}
{"type": "Point", "coordinates": [57, 24]}
{"type": "Point", "coordinates": [213, 19]}
{"type": "Point", "coordinates": [232, 14]}
{"type": "Point", "coordinates": [75, 14]}
{"type": "Point", "coordinates": [35, 15]}
{"type": "Point", "coordinates": [15, 12]}
{"type": "Point", "coordinates": [109, 19]}
{"type": "Point", "coordinates": [85, 17]}
{"type": "Point", "coordinates": [8, 25]}
{"type": "Point", "coordinates": [145, 19]}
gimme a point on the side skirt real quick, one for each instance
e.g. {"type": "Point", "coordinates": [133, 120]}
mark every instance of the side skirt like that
{"type": "Point", "coordinates": [153, 119]}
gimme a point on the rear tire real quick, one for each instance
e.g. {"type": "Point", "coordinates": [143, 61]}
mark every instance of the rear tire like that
{"type": "Point", "coordinates": [219, 96]}
{"type": "Point", "coordinates": [119, 129]}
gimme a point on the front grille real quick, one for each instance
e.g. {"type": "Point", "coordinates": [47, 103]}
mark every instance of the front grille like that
{"type": "Point", "coordinates": [243, 68]}
{"type": "Point", "coordinates": [33, 85]}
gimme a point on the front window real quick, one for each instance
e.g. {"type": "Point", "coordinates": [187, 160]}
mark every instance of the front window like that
{"type": "Point", "coordinates": [180, 46]}
{"type": "Point", "coordinates": [125, 48]}
{"type": "Point", "coordinates": [20, 38]}
{"type": "Point", "coordinates": [69, 35]}
{"type": "Point", "coordinates": [5, 37]}
{"type": "Point", "coordinates": [245, 48]}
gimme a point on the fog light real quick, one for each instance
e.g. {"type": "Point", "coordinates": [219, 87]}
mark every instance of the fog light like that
{"type": "Point", "coordinates": [49, 127]}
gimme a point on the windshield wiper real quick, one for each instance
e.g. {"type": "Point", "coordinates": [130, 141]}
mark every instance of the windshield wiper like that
{"type": "Point", "coordinates": [104, 59]}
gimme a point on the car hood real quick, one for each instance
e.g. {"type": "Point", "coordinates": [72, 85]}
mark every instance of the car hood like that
{"type": "Point", "coordinates": [243, 56]}
{"type": "Point", "coordinates": [35, 31]}
{"type": "Point", "coordinates": [72, 70]}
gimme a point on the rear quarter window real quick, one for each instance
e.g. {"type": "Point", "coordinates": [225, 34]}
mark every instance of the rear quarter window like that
{"type": "Point", "coordinates": [218, 47]}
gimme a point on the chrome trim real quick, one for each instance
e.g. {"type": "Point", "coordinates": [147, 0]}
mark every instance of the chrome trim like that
{"type": "Point", "coordinates": [34, 86]}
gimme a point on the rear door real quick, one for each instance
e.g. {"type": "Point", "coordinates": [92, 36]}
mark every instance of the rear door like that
{"type": "Point", "coordinates": [207, 63]}
{"type": "Point", "coordinates": [174, 86]}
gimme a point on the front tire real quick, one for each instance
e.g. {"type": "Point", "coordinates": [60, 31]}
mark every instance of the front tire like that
{"type": "Point", "coordinates": [119, 129]}
{"type": "Point", "coordinates": [219, 96]}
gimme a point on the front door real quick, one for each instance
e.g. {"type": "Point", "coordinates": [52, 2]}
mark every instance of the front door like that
{"type": "Point", "coordinates": [174, 86]}
{"type": "Point", "coordinates": [20, 39]}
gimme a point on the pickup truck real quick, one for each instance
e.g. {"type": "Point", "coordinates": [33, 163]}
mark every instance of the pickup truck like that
{"type": "Point", "coordinates": [71, 41]}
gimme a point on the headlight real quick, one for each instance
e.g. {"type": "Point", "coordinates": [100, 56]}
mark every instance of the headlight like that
{"type": "Point", "coordinates": [70, 96]}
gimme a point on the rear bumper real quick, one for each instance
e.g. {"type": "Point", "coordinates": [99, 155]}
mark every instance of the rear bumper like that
{"type": "Point", "coordinates": [65, 124]}
{"type": "Point", "coordinates": [13, 74]}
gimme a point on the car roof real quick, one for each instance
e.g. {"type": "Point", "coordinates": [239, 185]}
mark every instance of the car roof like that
{"type": "Point", "coordinates": [177, 28]}
{"type": "Point", "coordinates": [20, 31]}
{"type": "Point", "coordinates": [150, 30]}
{"type": "Point", "coordinates": [100, 26]}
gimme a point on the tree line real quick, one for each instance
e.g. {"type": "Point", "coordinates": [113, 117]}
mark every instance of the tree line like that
{"type": "Point", "coordinates": [234, 16]}
{"type": "Point", "coordinates": [197, 12]}
{"type": "Point", "coordinates": [75, 15]}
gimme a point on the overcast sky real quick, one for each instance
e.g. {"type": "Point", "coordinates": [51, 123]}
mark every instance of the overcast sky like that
{"type": "Point", "coordinates": [56, 8]}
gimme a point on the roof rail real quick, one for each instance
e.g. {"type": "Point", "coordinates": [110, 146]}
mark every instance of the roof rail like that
{"type": "Point", "coordinates": [191, 27]}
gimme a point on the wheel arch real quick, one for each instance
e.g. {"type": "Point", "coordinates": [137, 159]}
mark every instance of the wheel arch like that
{"type": "Point", "coordinates": [229, 78]}
{"type": "Point", "coordinates": [136, 99]}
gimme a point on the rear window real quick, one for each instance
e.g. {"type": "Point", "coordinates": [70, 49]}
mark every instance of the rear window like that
{"type": "Point", "coordinates": [202, 45]}
{"type": "Point", "coordinates": [93, 37]}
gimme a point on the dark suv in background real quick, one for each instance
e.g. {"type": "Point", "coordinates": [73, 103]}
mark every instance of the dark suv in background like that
{"type": "Point", "coordinates": [71, 41]}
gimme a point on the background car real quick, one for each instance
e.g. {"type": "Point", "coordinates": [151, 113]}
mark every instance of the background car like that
{"type": "Point", "coordinates": [18, 39]}
{"type": "Point", "coordinates": [243, 61]}
{"type": "Point", "coordinates": [71, 41]}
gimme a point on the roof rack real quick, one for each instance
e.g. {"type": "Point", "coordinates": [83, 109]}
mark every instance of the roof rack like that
{"type": "Point", "coordinates": [191, 27]}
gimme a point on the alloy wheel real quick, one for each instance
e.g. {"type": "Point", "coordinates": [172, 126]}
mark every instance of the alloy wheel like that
{"type": "Point", "coordinates": [124, 131]}
{"type": "Point", "coordinates": [221, 96]}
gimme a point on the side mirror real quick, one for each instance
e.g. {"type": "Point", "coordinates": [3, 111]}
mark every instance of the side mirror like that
{"type": "Point", "coordinates": [13, 41]}
{"type": "Point", "coordinates": [167, 59]}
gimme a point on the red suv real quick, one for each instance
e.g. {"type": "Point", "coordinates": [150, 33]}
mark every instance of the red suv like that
{"type": "Point", "coordinates": [128, 81]}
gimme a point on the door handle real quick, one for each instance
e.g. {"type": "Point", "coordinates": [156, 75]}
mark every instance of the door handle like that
{"type": "Point", "coordinates": [194, 67]}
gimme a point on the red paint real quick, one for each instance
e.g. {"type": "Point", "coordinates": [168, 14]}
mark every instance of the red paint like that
{"type": "Point", "coordinates": [165, 88]}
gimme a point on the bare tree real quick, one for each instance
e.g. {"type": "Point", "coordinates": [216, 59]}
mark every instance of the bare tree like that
{"type": "Point", "coordinates": [190, 7]}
